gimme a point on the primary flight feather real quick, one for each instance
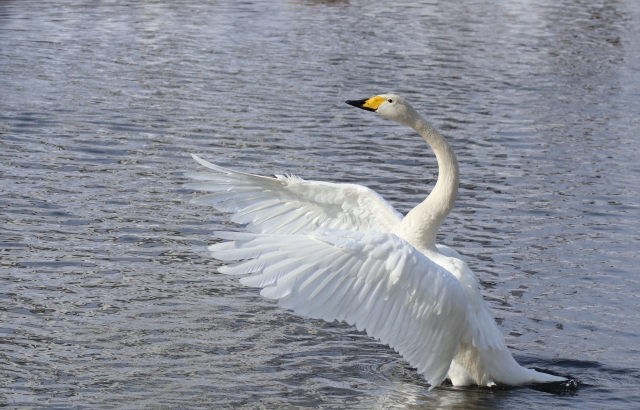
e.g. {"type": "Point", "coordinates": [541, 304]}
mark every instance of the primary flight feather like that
{"type": "Point", "coordinates": [341, 252]}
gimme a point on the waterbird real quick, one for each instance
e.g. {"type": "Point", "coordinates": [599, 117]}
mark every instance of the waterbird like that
{"type": "Point", "coordinates": [337, 251]}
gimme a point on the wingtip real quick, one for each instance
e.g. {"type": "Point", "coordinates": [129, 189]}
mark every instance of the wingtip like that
{"type": "Point", "coordinates": [215, 167]}
{"type": "Point", "coordinates": [433, 385]}
{"type": "Point", "coordinates": [196, 158]}
{"type": "Point", "coordinates": [204, 162]}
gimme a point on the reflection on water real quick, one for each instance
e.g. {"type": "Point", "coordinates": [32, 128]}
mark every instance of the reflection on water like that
{"type": "Point", "coordinates": [108, 296]}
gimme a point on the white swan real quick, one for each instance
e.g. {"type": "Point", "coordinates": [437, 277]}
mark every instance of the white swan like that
{"type": "Point", "coordinates": [341, 252]}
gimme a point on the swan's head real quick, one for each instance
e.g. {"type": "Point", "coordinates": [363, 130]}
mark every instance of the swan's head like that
{"type": "Point", "coordinates": [390, 106]}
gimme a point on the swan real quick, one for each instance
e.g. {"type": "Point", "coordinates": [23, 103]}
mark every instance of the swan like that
{"type": "Point", "coordinates": [341, 252]}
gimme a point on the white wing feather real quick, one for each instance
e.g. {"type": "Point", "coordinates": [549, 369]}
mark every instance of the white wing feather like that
{"type": "Point", "coordinates": [481, 330]}
{"type": "Point", "coordinates": [290, 205]}
{"type": "Point", "coordinates": [374, 280]}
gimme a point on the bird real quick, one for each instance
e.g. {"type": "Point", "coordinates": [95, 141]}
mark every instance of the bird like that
{"type": "Point", "coordinates": [338, 251]}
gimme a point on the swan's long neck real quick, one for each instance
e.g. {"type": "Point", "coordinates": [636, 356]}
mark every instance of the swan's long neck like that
{"type": "Point", "coordinates": [421, 225]}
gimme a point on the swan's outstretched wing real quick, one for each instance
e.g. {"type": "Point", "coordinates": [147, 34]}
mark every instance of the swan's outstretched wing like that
{"type": "Point", "coordinates": [288, 204]}
{"type": "Point", "coordinates": [374, 280]}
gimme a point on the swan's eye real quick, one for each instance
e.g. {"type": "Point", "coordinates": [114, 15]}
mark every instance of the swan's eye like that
{"type": "Point", "coordinates": [390, 100]}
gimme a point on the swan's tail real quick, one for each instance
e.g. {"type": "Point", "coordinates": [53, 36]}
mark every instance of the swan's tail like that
{"type": "Point", "coordinates": [490, 367]}
{"type": "Point", "coordinates": [514, 374]}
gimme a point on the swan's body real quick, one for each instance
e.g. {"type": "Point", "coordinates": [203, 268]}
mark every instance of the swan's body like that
{"type": "Point", "coordinates": [341, 252]}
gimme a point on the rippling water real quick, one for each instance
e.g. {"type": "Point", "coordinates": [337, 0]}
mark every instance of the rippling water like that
{"type": "Point", "coordinates": [108, 298]}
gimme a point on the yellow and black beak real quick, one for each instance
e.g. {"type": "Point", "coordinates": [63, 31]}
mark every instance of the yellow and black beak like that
{"type": "Point", "coordinates": [370, 104]}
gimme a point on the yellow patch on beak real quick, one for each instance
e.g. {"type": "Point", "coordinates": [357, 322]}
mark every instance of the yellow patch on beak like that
{"type": "Point", "coordinates": [374, 102]}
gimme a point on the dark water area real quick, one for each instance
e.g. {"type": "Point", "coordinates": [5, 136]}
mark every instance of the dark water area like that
{"type": "Point", "coordinates": [108, 297]}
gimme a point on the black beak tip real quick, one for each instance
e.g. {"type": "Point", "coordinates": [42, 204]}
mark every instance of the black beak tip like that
{"type": "Point", "coordinates": [359, 104]}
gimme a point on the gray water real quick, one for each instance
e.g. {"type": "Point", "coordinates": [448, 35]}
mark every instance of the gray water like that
{"type": "Point", "coordinates": [108, 298]}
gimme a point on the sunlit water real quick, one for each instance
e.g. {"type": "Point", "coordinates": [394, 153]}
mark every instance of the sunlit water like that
{"type": "Point", "coordinates": [108, 298]}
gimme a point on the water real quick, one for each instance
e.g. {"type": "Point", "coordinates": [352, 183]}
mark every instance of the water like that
{"type": "Point", "coordinates": [108, 297]}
